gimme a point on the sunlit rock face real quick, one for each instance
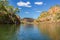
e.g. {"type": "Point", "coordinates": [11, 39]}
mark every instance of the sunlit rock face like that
{"type": "Point", "coordinates": [54, 9]}
{"type": "Point", "coordinates": [51, 15]}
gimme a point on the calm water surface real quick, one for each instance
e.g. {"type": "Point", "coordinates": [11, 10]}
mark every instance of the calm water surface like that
{"type": "Point", "coordinates": [30, 32]}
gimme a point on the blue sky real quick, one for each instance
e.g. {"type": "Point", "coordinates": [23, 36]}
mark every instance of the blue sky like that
{"type": "Point", "coordinates": [33, 8]}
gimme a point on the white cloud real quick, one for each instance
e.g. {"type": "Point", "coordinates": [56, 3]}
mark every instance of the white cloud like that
{"type": "Point", "coordinates": [24, 4]}
{"type": "Point", "coordinates": [38, 3]}
{"type": "Point", "coordinates": [38, 11]}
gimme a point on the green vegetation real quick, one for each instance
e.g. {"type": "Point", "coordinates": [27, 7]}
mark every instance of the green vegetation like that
{"type": "Point", "coordinates": [8, 13]}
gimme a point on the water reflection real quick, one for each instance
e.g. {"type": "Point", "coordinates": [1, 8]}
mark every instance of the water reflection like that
{"type": "Point", "coordinates": [8, 32]}
{"type": "Point", "coordinates": [51, 29]}
{"type": "Point", "coordinates": [30, 32]}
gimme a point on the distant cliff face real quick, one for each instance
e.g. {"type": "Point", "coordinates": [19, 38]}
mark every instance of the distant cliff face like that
{"type": "Point", "coordinates": [27, 19]}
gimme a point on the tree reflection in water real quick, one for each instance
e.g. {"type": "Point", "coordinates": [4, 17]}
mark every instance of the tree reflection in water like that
{"type": "Point", "coordinates": [8, 32]}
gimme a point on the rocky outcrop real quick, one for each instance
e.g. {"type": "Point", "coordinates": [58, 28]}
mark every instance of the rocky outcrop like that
{"type": "Point", "coordinates": [53, 14]}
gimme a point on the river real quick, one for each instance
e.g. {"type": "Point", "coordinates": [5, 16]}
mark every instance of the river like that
{"type": "Point", "coordinates": [30, 32]}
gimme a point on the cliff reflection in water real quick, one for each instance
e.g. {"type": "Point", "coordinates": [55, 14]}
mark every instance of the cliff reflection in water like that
{"type": "Point", "coordinates": [8, 32]}
{"type": "Point", "coordinates": [51, 29]}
